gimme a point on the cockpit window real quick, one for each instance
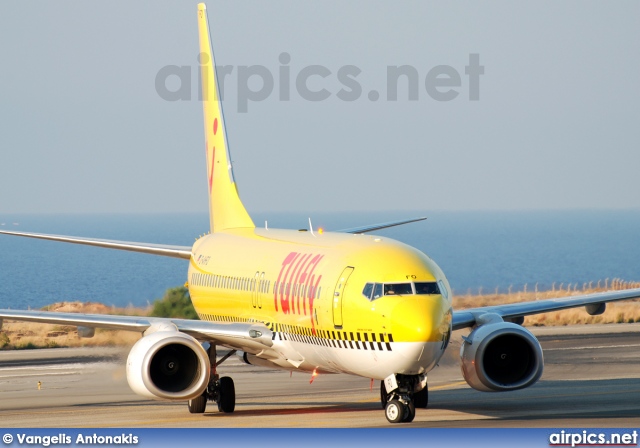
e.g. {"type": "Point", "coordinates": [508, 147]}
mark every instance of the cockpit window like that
{"type": "Point", "coordinates": [373, 291]}
{"type": "Point", "coordinates": [391, 289]}
{"type": "Point", "coordinates": [427, 288]}
{"type": "Point", "coordinates": [377, 291]}
{"type": "Point", "coordinates": [368, 289]}
{"type": "Point", "coordinates": [443, 289]}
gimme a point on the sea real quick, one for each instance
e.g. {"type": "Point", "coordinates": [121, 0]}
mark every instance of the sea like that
{"type": "Point", "coordinates": [479, 251]}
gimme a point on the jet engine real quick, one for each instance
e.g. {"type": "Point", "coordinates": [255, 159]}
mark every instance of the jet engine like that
{"type": "Point", "coordinates": [501, 356]}
{"type": "Point", "coordinates": [168, 365]}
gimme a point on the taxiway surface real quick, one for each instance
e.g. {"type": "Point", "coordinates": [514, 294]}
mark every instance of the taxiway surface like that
{"type": "Point", "coordinates": [591, 379]}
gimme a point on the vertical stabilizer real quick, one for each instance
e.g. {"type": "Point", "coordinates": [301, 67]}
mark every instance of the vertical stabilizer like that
{"type": "Point", "coordinates": [226, 211]}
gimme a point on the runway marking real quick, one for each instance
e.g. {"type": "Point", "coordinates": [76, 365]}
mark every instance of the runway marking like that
{"type": "Point", "coordinates": [40, 374]}
{"type": "Point", "coordinates": [82, 366]}
{"type": "Point", "coordinates": [448, 386]}
{"type": "Point", "coordinates": [594, 347]}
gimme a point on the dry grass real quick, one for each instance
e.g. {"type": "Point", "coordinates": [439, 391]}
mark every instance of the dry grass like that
{"type": "Point", "coordinates": [31, 335]}
{"type": "Point", "coordinates": [96, 308]}
{"type": "Point", "coordinates": [618, 312]}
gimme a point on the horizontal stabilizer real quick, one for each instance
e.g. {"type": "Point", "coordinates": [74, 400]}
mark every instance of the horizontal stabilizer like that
{"type": "Point", "coordinates": [154, 249]}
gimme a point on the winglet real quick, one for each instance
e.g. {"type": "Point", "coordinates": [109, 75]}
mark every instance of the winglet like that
{"type": "Point", "coordinates": [226, 210]}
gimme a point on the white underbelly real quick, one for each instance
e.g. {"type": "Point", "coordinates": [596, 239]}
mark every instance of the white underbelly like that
{"type": "Point", "coordinates": [369, 359]}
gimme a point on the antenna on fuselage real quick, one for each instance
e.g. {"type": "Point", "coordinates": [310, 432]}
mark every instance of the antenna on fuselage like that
{"type": "Point", "coordinates": [266, 227]}
{"type": "Point", "coordinates": [311, 227]}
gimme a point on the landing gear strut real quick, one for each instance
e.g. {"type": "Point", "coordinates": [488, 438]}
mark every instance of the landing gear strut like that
{"type": "Point", "coordinates": [400, 404]}
{"type": "Point", "coordinates": [220, 390]}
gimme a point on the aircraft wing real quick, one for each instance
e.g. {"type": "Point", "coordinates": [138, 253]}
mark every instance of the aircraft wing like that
{"type": "Point", "coordinates": [384, 225]}
{"type": "Point", "coordinates": [467, 318]}
{"type": "Point", "coordinates": [147, 248]}
{"type": "Point", "coordinates": [249, 337]}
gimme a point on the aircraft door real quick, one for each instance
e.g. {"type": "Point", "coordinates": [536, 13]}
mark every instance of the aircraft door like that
{"type": "Point", "coordinates": [338, 294]}
{"type": "Point", "coordinates": [254, 290]}
{"type": "Point", "coordinates": [261, 284]}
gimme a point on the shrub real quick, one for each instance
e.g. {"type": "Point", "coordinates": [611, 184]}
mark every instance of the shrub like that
{"type": "Point", "coordinates": [4, 340]}
{"type": "Point", "coordinates": [175, 303]}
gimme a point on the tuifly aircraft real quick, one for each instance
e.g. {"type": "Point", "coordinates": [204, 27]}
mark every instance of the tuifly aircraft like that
{"type": "Point", "coordinates": [310, 301]}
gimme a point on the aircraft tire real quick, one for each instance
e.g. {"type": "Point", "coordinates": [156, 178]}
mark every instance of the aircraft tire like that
{"type": "Point", "coordinates": [409, 412]}
{"type": "Point", "coordinates": [384, 397]}
{"type": "Point", "coordinates": [421, 399]}
{"type": "Point", "coordinates": [394, 411]}
{"type": "Point", "coordinates": [197, 405]}
{"type": "Point", "coordinates": [227, 395]}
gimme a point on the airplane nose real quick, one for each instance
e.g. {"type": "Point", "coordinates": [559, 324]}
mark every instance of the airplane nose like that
{"type": "Point", "coordinates": [419, 319]}
{"type": "Point", "coordinates": [419, 325]}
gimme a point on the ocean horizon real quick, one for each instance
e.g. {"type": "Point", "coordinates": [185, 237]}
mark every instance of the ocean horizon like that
{"type": "Point", "coordinates": [479, 251]}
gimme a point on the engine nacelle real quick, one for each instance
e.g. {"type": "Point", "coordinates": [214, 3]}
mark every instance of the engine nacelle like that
{"type": "Point", "coordinates": [501, 356]}
{"type": "Point", "coordinates": [169, 365]}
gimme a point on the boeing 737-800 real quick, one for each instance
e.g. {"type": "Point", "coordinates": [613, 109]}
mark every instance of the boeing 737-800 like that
{"type": "Point", "coordinates": [318, 302]}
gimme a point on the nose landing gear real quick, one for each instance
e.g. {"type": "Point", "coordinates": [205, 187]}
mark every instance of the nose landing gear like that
{"type": "Point", "coordinates": [398, 411]}
{"type": "Point", "coordinates": [400, 404]}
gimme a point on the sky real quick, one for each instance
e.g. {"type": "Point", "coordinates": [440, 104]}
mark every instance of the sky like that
{"type": "Point", "coordinates": [552, 122]}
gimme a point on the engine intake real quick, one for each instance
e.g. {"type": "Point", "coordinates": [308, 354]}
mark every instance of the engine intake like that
{"type": "Point", "coordinates": [500, 357]}
{"type": "Point", "coordinates": [169, 365]}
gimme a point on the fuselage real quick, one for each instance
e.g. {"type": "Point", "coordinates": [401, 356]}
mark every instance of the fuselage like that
{"type": "Point", "coordinates": [357, 304]}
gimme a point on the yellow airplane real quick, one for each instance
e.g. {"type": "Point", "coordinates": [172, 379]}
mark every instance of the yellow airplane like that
{"type": "Point", "coordinates": [311, 301]}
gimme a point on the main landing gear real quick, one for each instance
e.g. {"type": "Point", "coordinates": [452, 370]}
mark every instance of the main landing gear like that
{"type": "Point", "coordinates": [400, 404]}
{"type": "Point", "coordinates": [220, 389]}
